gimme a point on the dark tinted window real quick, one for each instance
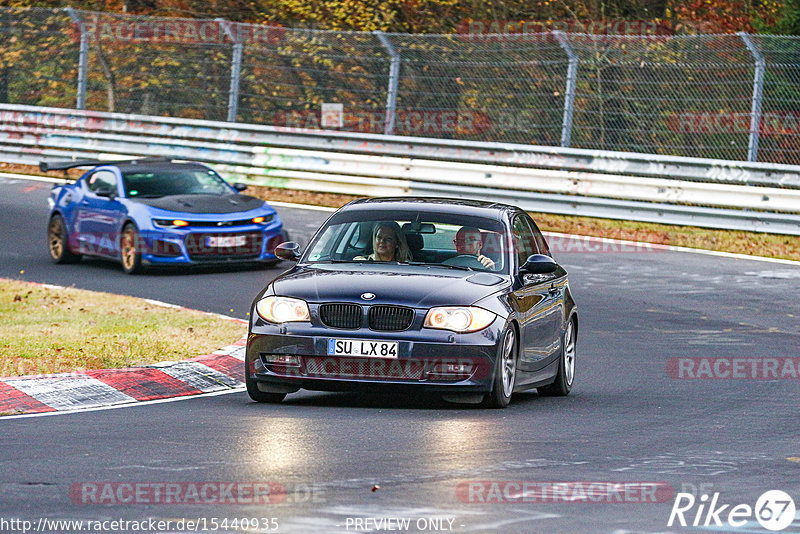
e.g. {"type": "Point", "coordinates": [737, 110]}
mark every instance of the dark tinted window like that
{"type": "Point", "coordinates": [163, 182]}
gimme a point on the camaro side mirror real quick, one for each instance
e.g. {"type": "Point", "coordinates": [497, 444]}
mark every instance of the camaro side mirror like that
{"type": "Point", "coordinates": [108, 193]}
{"type": "Point", "coordinates": [240, 186]}
{"type": "Point", "coordinates": [288, 251]}
{"type": "Point", "coordinates": [539, 264]}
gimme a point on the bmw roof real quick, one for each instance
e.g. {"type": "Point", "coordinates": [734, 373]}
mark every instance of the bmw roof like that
{"type": "Point", "coordinates": [460, 206]}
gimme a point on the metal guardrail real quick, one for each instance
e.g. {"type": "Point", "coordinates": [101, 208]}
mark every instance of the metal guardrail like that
{"type": "Point", "coordinates": [674, 190]}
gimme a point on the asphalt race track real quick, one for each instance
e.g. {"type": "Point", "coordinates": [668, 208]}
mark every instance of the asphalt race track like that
{"type": "Point", "coordinates": [348, 463]}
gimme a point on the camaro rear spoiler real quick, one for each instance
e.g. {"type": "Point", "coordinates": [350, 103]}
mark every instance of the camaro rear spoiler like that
{"type": "Point", "coordinates": [45, 166]}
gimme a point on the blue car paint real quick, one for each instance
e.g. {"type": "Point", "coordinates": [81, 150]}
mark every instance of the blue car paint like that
{"type": "Point", "coordinates": [95, 223]}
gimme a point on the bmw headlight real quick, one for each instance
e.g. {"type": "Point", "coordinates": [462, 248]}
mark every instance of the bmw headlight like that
{"type": "Point", "coordinates": [282, 309]}
{"type": "Point", "coordinates": [459, 318]}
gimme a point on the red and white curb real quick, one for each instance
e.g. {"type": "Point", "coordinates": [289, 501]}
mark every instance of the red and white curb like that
{"type": "Point", "coordinates": [219, 371]}
{"type": "Point", "coordinates": [222, 370]}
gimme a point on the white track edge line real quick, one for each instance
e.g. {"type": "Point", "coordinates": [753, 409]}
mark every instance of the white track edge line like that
{"type": "Point", "coordinates": [236, 389]}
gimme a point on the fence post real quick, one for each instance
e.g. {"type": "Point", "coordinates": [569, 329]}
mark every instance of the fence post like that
{"type": "Point", "coordinates": [236, 70]}
{"type": "Point", "coordinates": [758, 93]}
{"type": "Point", "coordinates": [83, 58]}
{"type": "Point", "coordinates": [394, 77]}
{"type": "Point", "coordinates": [569, 93]}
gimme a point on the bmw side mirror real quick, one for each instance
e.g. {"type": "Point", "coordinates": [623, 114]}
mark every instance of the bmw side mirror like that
{"type": "Point", "coordinates": [111, 195]}
{"type": "Point", "coordinates": [539, 264]}
{"type": "Point", "coordinates": [240, 186]}
{"type": "Point", "coordinates": [288, 251]}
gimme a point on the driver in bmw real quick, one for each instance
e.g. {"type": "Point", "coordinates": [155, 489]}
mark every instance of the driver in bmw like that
{"type": "Point", "coordinates": [468, 241]}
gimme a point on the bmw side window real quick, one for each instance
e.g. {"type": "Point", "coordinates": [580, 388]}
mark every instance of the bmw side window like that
{"type": "Point", "coordinates": [102, 182]}
{"type": "Point", "coordinates": [523, 240]}
{"type": "Point", "coordinates": [541, 242]}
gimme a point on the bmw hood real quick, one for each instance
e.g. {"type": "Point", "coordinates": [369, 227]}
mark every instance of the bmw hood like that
{"type": "Point", "coordinates": [233, 203]}
{"type": "Point", "coordinates": [413, 286]}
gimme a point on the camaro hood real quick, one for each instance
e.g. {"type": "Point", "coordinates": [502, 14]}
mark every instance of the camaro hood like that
{"type": "Point", "coordinates": [232, 203]}
{"type": "Point", "coordinates": [414, 286]}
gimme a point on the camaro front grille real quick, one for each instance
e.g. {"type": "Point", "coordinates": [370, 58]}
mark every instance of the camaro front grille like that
{"type": "Point", "coordinates": [347, 316]}
{"type": "Point", "coordinates": [390, 318]}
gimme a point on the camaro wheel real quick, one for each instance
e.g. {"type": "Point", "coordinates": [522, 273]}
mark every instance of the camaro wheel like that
{"type": "Point", "coordinates": [258, 395]}
{"type": "Point", "coordinates": [58, 241]}
{"type": "Point", "coordinates": [566, 366]}
{"type": "Point", "coordinates": [130, 252]}
{"type": "Point", "coordinates": [505, 372]}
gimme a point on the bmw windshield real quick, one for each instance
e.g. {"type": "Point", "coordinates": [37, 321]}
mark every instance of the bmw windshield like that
{"type": "Point", "coordinates": [444, 239]}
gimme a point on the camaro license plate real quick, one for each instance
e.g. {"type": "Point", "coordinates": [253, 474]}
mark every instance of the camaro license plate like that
{"type": "Point", "coordinates": [226, 241]}
{"type": "Point", "coordinates": [361, 347]}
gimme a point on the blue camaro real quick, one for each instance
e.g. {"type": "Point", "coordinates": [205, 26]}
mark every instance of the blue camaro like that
{"type": "Point", "coordinates": [158, 212]}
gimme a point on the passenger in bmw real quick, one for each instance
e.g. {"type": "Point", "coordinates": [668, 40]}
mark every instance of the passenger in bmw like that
{"type": "Point", "coordinates": [469, 242]}
{"type": "Point", "coordinates": [388, 243]}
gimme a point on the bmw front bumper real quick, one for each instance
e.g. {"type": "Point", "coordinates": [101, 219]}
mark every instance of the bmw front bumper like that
{"type": "Point", "coordinates": [296, 356]}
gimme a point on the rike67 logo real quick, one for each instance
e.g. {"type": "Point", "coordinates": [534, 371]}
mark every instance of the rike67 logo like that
{"type": "Point", "coordinates": [774, 510]}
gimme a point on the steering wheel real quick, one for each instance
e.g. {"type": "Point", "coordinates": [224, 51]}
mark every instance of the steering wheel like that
{"type": "Point", "coordinates": [465, 260]}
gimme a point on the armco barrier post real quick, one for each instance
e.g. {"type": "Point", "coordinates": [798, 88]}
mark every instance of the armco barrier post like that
{"type": "Point", "coordinates": [758, 92]}
{"type": "Point", "coordinates": [569, 93]}
{"type": "Point", "coordinates": [394, 77]}
{"type": "Point", "coordinates": [83, 59]}
{"type": "Point", "coordinates": [236, 70]}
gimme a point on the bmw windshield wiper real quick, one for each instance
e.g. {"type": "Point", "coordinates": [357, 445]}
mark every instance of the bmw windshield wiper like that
{"type": "Point", "coordinates": [335, 261]}
{"type": "Point", "coordinates": [147, 196]}
{"type": "Point", "coordinates": [457, 267]}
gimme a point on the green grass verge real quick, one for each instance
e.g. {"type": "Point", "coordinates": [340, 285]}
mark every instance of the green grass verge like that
{"type": "Point", "coordinates": [45, 330]}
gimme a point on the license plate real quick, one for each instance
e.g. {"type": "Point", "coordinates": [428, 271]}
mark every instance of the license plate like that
{"type": "Point", "coordinates": [226, 241]}
{"type": "Point", "coordinates": [361, 347]}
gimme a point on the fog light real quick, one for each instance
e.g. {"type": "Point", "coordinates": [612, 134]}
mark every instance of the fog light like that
{"type": "Point", "coordinates": [286, 360]}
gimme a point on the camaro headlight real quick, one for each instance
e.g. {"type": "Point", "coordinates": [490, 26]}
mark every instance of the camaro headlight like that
{"type": "Point", "coordinates": [282, 309]}
{"type": "Point", "coordinates": [169, 223]}
{"type": "Point", "coordinates": [459, 318]}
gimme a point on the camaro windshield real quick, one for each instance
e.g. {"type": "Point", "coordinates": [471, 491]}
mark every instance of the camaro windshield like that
{"type": "Point", "coordinates": [446, 239]}
{"type": "Point", "coordinates": [165, 182]}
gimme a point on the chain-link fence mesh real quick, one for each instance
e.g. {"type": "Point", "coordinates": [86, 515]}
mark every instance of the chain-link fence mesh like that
{"type": "Point", "coordinates": [680, 95]}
